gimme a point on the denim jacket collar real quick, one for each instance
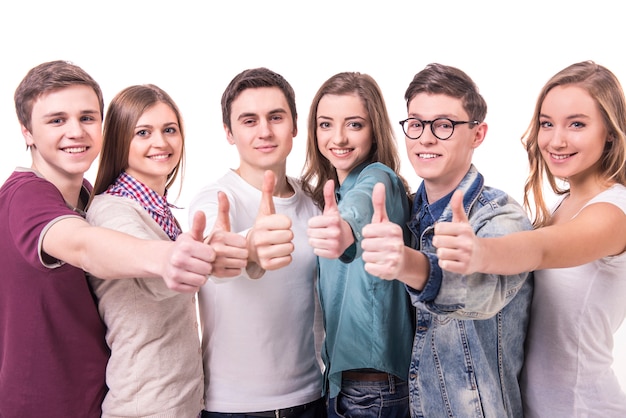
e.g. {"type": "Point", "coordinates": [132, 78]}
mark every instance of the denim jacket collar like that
{"type": "Point", "coordinates": [471, 185]}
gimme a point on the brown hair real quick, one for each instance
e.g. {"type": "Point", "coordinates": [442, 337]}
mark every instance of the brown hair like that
{"type": "Point", "coordinates": [450, 81]}
{"type": "Point", "coordinates": [317, 169]}
{"type": "Point", "coordinates": [119, 129]}
{"type": "Point", "coordinates": [605, 89]}
{"type": "Point", "coordinates": [47, 77]}
{"type": "Point", "coordinates": [256, 78]}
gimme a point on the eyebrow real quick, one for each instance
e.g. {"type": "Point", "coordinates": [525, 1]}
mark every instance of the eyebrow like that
{"type": "Point", "coordinates": [252, 114]}
{"type": "Point", "coordinates": [63, 113]}
{"type": "Point", "coordinates": [441, 115]}
{"type": "Point", "coordinates": [348, 118]}
{"type": "Point", "coordinates": [569, 117]}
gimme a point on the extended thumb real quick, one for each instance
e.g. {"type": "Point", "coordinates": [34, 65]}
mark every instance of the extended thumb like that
{"type": "Point", "coordinates": [379, 204]}
{"type": "Point", "coordinates": [458, 211]}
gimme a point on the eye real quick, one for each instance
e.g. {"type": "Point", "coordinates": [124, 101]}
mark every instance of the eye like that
{"type": "Point", "coordinates": [87, 118]}
{"type": "Point", "coordinates": [578, 125]}
{"type": "Point", "coordinates": [414, 123]}
{"type": "Point", "coordinates": [57, 121]}
{"type": "Point", "coordinates": [142, 133]}
{"type": "Point", "coordinates": [355, 125]}
{"type": "Point", "coordinates": [443, 124]}
{"type": "Point", "coordinates": [249, 122]}
{"type": "Point", "coordinates": [545, 124]}
{"type": "Point", "coordinates": [276, 118]}
{"type": "Point", "coordinates": [324, 125]}
{"type": "Point", "coordinates": [170, 130]}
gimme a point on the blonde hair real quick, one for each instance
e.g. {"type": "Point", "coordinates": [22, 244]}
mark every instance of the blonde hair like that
{"type": "Point", "coordinates": [605, 89]}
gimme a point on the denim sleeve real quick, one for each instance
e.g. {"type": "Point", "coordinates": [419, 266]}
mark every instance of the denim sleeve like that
{"type": "Point", "coordinates": [478, 295]}
{"type": "Point", "coordinates": [433, 284]}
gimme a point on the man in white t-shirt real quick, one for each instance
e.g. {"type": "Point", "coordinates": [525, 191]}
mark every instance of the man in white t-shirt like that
{"type": "Point", "coordinates": [261, 330]}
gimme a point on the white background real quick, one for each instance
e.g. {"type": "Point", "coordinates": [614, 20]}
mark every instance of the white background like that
{"type": "Point", "coordinates": [192, 49]}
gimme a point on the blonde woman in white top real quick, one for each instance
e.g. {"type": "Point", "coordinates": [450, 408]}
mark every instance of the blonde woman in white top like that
{"type": "Point", "coordinates": [577, 135]}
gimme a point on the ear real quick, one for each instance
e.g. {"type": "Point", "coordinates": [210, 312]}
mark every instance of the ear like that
{"type": "Point", "coordinates": [28, 136]}
{"type": "Point", "coordinates": [229, 135]}
{"type": "Point", "coordinates": [479, 136]}
{"type": "Point", "coordinates": [295, 127]}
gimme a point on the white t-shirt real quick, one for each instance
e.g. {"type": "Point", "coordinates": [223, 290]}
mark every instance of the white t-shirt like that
{"type": "Point", "coordinates": [575, 312]}
{"type": "Point", "coordinates": [261, 338]}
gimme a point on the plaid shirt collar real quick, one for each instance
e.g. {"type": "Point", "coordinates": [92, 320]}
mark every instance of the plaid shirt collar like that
{"type": "Point", "coordinates": [127, 186]}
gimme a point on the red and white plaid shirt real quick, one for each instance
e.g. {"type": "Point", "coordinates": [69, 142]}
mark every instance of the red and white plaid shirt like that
{"type": "Point", "coordinates": [127, 186]}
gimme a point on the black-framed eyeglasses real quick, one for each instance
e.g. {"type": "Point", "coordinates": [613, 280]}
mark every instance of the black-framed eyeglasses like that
{"type": "Point", "coordinates": [442, 128]}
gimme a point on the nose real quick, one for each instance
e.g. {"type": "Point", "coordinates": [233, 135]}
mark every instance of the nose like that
{"type": "Point", "coordinates": [558, 139]}
{"type": "Point", "coordinates": [265, 129]}
{"type": "Point", "coordinates": [339, 136]}
{"type": "Point", "coordinates": [159, 139]}
{"type": "Point", "coordinates": [74, 128]}
{"type": "Point", "coordinates": [428, 137]}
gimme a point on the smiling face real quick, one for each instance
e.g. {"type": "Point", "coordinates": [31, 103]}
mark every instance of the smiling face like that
{"type": "Point", "coordinates": [156, 147]}
{"type": "Point", "coordinates": [572, 134]}
{"type": "Point", "coordinates": [66, 133]}
{"type": "Point", "coordinates": [344, 132]}
{"type": "Point", "coordinates": [262, 129]}
{"type": "Point", "coordinates": [442, 164]}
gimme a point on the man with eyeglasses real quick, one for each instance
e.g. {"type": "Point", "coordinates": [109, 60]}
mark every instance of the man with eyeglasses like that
{"type": "Point", "coordinates": [468, 349]}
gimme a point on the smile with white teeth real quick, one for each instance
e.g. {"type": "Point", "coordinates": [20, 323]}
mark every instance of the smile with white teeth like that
{"type": "Point", "coordinates": [159, 157]}
{"type": "Point", "coordinates": [341, 151]}
{"type": "Point", "coordinates": [427, 156]}
{"type": "Point", "coordinates": [74, 150]}
{"type": "Point", "coordinates": [560, 156]}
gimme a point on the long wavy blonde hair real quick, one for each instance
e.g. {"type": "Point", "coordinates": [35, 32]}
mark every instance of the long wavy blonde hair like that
{"type": "Point", "coordinates": [605, 89]}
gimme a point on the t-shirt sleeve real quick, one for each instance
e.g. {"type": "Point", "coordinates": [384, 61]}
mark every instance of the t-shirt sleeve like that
{"type": "Point", "coordinates": [36, 206]}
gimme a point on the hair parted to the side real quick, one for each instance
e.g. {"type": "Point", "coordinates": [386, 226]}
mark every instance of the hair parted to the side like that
{"type": "Point", "coordinates": [48, 77]}
{"type": "Point", "coordinates": [318, 169]}
{"type": "Point", "coordinates": [121, 119]}
{"type": "Point", "coordinates": [256, 78]}
{"type": "Point", "coordinates": [605, 89]}
{"type": "Point", "coordinates": [449, 81]}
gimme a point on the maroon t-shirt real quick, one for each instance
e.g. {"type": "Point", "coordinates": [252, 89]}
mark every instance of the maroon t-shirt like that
{"type": "Point", "coordinates": [53, 353]}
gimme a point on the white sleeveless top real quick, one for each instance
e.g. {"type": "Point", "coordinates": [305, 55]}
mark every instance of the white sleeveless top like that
{"type": "Point", "coordinates": [575, 312]}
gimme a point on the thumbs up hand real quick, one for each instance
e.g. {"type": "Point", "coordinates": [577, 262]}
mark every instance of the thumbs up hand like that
{"type": "Point", "coordinates": [188, 261]}
{"type": "Point", "coordinates": [270, 239]}
{"type": "Point", "coordinates": [231, 252]}
{"type": "Point", "coordinates": [458, 247]}
{"type": "Point", "coordinates": [329, 234]}
{"type": "Point", "coordinates": [383, 243]}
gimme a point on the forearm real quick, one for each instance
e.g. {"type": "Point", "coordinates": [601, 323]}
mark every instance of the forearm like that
{"type": "Point", "coordinates": [510, 254]}
{"type": "Point", "coordinates": [115, 255]}
{"type": "Point", "coordinates": [415, 268]}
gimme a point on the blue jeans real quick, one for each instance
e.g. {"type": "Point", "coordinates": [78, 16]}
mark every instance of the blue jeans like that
{"type": "Point", "coordinates": [386, 399]}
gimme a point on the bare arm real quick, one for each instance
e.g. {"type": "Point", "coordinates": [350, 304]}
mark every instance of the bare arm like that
{"type": "Point", "coordinates": [599, 230]}
{"type": "Point", "coordinates": [183, 264]}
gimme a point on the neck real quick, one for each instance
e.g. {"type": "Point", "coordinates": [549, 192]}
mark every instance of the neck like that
{"type": "Point", "coordinates": [69, 187]}
{"type": "Point", "coordinates": [255, 178]}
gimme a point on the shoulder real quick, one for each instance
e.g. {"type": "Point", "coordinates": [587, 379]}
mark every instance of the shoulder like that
{"type": "Point", "coordinates": [615, 195]}
{"type": "Point", "coordinates": [230, 183]}
{"type": "Point", "coordinates": [105, 207]}
{"type": "Point", "coordinates": [499, 209]}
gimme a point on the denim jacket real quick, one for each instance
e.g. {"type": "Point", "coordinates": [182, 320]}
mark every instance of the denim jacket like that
{"type": "Point", "coordinates": [468, 349]}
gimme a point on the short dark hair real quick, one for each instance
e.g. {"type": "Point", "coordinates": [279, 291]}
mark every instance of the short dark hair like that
{"type": "Point", "coordinates": [450, 81]}
{"type": "Point", "coordinates": [256, 78]}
